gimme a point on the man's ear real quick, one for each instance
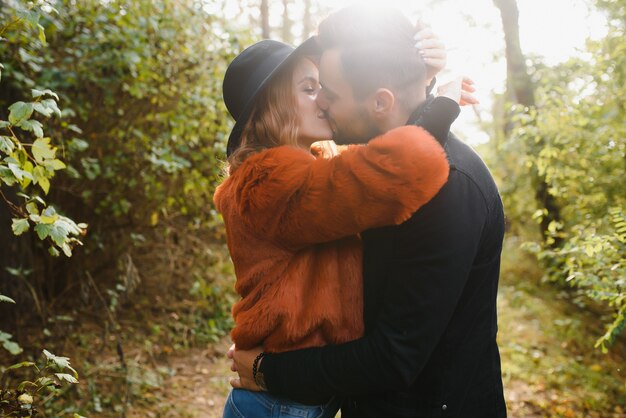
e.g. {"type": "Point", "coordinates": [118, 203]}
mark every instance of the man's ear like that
{"type": "Point", "coordinates": [383, 101]}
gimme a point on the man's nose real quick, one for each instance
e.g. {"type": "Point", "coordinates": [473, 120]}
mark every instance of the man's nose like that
{"type": "Point", "coordinates": [321, 101]}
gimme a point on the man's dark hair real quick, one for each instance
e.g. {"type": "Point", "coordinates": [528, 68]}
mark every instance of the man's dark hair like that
{"type": "Point", "coordinates": [377, 50]}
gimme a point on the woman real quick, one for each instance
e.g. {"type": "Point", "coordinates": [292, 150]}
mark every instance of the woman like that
{"type": "Point", "coordinates": [292, 219]}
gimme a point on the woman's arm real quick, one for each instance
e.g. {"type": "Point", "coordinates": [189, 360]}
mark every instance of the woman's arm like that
{"type": "Point", "coordinates": [286, 194]}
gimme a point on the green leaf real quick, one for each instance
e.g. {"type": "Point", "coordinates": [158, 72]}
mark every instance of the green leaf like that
{"type": "Point", "coordinates": [12, 347]}
{"type": "Point", "coordinates": [61, 362]}
{"type": "Point", "coordinates": [49, 216]}
{"type": "Point", "coordinates": [27, 169]}
{"type": "Point", "coordinates": [43, 230]}
{"type": "Point", "coordinates": [53, 165]}
{"type": "Point", "coordinates": [40, 108]}
{"type": "Point", "coordinates": [44, 183]}
{"type": "Point", "coordinates": [79, 144]}
{"type": "Point", "coordinates": [22, 364]}
{"type": "Point", "coordinates": [6, 299]}
{"type": "Point", "coordinates": [6, 144]}
{"type": "Point", "coordinates": [20, 226]}
{"type": "Point", "coordinates": [51, 105]}
{"type": "Point", "coordinates": [42, 34]}
{"type": "Point", "coordinates": [4, 124]}
{"type": "Point", "coordinates": [42, 150]}
{"type": "Point", "coordinates": [53, 252]}
{"type": "Point", "coordinates": [38, 93]}
{"type": "Point", "coordinates": [44, 381]}
{"type": "Point", "coordinates": [32, 208]}
{"type": "Point", "coordinates": [33, 126]}
{"type": "Point", "coordinates": [66, 377]}
{"type": "Point", "coordinates": [31, 17]}
{"type": "Point", "coordinates": [6, 175]}
{"type": "Point", "coordinates": [16, 170]}
{"type": "Point", "coordinates": [20, 111]}
{"type": "Point", "coordinates": [67, 250]}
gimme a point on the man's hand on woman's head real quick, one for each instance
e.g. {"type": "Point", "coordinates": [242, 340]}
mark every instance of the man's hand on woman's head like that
{"type": "Point", "coordinates": [460, 90]}
{"type": "Point", "coordinates": [431, 48]}
{"type": "Point", "coordinates": [242, 364]}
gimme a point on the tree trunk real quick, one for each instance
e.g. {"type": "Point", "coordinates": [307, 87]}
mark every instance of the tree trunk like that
{"type": "Point", "coordinates": [286, 32]}
{"type": "Point", "coordinates": [522, 91]}
{"type": "Point", "coordinates": [265, 19]}
{"type": "Point", "coordinates": [307, 24]}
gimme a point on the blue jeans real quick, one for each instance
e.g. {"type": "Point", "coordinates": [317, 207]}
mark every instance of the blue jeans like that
{"type": "Point", "coordinates": [246, 404]}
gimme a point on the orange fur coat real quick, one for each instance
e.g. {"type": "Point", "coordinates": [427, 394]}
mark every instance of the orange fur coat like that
{"type": "Point", "coordinates": [292, 222]}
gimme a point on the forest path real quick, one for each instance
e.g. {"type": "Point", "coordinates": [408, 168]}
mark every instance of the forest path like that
{"type": "Point", "coordinates": [549, 365]}
{"type": "Point", "coordinates": [196, 387]}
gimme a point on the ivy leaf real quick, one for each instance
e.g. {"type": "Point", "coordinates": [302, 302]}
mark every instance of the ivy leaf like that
{"type": "Point", "coordinates": [19, 226]}
{"type": "Point", "coordinates": [4, 124]}
{"type": "Point", "coordinates": [42, 149]}
{"type": "Point", "coordinates": [20, 111]}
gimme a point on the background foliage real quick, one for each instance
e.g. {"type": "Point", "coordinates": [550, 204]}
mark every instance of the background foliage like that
{"type": "Point", "coordinates": [575, 138]}
{"type": "Point", "coordinates": [112, 135]}
{"type": "Point", "coordinates": [132, 151]}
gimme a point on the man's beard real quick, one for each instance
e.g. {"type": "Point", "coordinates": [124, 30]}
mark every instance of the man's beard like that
{"type": "Point", "coordinates": [354, 136]}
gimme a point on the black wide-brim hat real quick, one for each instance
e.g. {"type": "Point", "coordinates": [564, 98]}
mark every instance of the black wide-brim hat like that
{"type": "Point", "coordinates": [249, 73]}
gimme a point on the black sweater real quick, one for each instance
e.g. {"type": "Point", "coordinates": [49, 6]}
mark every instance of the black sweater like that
{"type": "Point", "coordinates": [430, 287]}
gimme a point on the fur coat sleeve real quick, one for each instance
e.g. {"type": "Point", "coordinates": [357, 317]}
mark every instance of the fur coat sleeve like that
{"type": "Point", "coordinates": [288, 196]}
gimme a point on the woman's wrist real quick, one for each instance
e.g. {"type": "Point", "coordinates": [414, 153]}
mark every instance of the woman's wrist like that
{"type": "Point", "coordinates": [257, 373]}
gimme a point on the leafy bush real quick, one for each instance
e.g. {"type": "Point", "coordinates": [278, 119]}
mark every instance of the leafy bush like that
{"type": "Point", "coordinates": [579, 122]}
{"type": "Point", "coordinates": [142, 131]}
{"type": "Point", "coordinates": [46, 385]}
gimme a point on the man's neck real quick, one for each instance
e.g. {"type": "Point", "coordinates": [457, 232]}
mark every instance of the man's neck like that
{"type": "Point", "coordinates": [417, 112]}
{"type": "Point", "coordinates": [396, 120]}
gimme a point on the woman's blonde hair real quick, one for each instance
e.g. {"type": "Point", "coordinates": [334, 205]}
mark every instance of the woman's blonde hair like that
{"type": "Point", "coordinates": [273, 121]}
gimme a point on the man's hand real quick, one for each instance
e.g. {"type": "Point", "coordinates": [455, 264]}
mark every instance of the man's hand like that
{"type": "Point", "coordinates": [460, 90]}
{"type": "Point", "coordinates": [242, 364]}
{"type": "Point", "coordinates": [431, 48]}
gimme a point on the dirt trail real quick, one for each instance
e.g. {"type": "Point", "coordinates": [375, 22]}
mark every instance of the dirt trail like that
{"type": "Point", "coordinates": [197, 387]}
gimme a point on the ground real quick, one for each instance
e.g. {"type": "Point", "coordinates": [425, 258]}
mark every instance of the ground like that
{"type": "Point", "coordinates": [197, 388]}
{"type": "Point", "coordinates": [547, 370]}
{"type": "Point", "coordinates": [155, 366]}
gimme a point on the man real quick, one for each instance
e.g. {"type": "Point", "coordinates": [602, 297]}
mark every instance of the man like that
{"type": "Point", "coordinates": [430, 284]}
